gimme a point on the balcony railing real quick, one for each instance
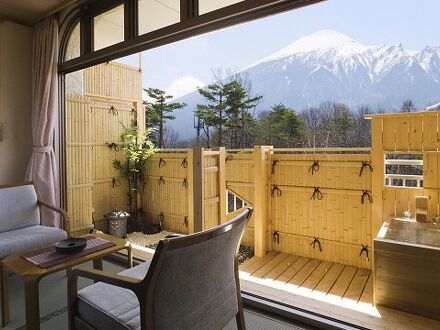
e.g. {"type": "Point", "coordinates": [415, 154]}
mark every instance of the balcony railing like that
{"type": "Point", "coordinates": [403, 180]}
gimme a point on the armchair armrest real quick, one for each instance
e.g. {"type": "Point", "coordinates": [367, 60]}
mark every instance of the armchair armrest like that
{"type": "Point", "coordinates": [106, 277]}
{"type": "Point", "coordinates": [175, 235]}
{"type": "Point", "coordinates": [65, 218]}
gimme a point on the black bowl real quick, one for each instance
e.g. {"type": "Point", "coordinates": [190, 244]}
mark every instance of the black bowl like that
{"type": "Point", "coordinates": [71, 245]}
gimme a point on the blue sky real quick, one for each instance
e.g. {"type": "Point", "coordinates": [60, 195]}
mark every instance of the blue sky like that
{"type": "Point", "coordinates": [181, 66]}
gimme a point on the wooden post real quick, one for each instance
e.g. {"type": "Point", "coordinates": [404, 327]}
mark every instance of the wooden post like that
{"type": "Point", "coordinates": [198, 189]}
{"type": "Point", "coordinates": [260, 199]}
{"type": "Point", "coordinates": [377, 177]}
{"type": "Point", "coordinates": [221, 184]}
{"type": "Point", "coordinates": [190, 171]}
{"type": "Point", "coordinates": [377, 185]}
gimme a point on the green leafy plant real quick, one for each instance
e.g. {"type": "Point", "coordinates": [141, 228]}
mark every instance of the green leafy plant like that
{"type": "Point", "coordinates": [137, 149]}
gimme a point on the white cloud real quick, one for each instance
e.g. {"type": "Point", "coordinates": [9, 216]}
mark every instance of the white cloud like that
{"type": "Point", "coordinates": [180, 87]}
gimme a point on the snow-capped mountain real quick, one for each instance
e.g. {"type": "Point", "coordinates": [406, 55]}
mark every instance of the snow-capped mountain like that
{"type": "Point", "coordinates": [329, 66]}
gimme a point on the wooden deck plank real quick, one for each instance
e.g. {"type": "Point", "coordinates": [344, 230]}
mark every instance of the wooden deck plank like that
{"type": "Point", "coordinates": [384, 318]}
{"type": "Point", "coordinates": [305, 272]}
{"type": "Point", "coordinates": [290, 272]}
{"type": "Point", "coordinates": [330, 278]}
{"type": "Point", "coordinates": [357, 285]}
{"type": "Point", "coordinates": [260, 273]}
{"type": "Point", "coordinates": [343, 282]}
{"type": "Point", "coordinates": [258, 262]}
{"type": "Point", "coordinates": [283, 265]}
{"type": "Point", "coordinates": [367, 294]}
{"type": "Point", "coordinates": [317, 275]}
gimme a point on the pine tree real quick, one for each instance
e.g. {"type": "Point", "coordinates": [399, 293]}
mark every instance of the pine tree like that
{"type": "Point", "coordinates": [159, 111]}
{"type": "Point", "coordinates": [213, 114]}
{"type": "Point", "coordinates": [238, 105]}
{"type": "Point", "coordinates": [282, 127]}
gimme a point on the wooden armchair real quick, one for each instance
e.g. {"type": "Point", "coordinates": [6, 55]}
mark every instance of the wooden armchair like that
{"type": "Point", "coordinates": [20, 225]}
{"type": "Point", "coordinates": [191, 283]}
{"type": "Point", "coordinates": [21, 220]}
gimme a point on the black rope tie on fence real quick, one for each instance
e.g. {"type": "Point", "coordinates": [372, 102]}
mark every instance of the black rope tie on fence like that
{"type": "Point", "coordinates": [365, 249]}
{"type": "Point", "coordinates": [366, 194]}
{"type": "Point", "coordinates": [317, 194]}
{"type": "Point", "coordinates": [113, 111]}
{"type": "Point", "coordinates": [276, 237]}
{"type": "Point", "coordinates": [274, 163]}
{"type": "Point", "coordinates": [365, 165]}
{"type": "Point", "coordinates": [162, 162]}
{"type": "Point", "coordinates": [314, 168]}
{"type": "Point", "coordinates": [185, 221]}
{"type": "Point", "coordinates": [161, 218]}
{"type": "Point", "coordinates": [116, 182]}
{"type": "Point", "coordinates": [161, 181]}
{"type": "Point", "coordinates": [112, 145]}
{"type": "Point", "coordinates": [276, 191]}
{"type": "Point", "coordinates": [228, 186]}
{"type": "Point", "coordinates": [316, 241]}
{"type": "Point", "coordinates": [184, 163]}
{"type": "Point", "coordinates": [185, 183]}
{"type": "Point", "coordinates": [228, 158]}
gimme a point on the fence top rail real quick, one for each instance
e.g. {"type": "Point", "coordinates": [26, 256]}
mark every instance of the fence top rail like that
{"type": "Point", "coordinates": [321, 150]}
{"type": "Point", "coordinates": [240, 151]}
{"type": "Point", "coordinates": [402, 114]}
{"type": "Point", "coordinates": [173, 151]}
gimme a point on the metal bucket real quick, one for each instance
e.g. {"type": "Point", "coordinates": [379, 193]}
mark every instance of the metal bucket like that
{"type": "Point", "coordinates": [117, 223]}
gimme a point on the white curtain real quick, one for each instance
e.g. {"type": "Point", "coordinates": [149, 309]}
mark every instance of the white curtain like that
{"type": "Point", "coordinates": [42, 168]}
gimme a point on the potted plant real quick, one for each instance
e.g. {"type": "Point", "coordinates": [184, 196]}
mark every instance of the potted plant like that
{"type": "Point", "coordinates": [137, 149]}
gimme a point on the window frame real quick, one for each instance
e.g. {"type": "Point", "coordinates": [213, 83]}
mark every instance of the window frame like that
{"type": "Point", "coordinates": [191, 24]}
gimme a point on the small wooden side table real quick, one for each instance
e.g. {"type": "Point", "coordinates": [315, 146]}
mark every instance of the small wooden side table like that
{"type": "Point", "coordinates": [32, 274]}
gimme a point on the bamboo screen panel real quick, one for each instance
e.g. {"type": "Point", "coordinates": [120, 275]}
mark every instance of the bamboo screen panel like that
{"type": "Point", "coordinates": [211, 194]}
{"type": "Point", "coordinates": [324, 202]}
{"type": "Point", "coordinates": [79, 164]}
{"type": "Point", "coordinates": [239, 179]}
{"type": "Point", "coordinates": [111, 98]}
{"type": "Point", "coordinates": [114, 80]}
{"type": "Point", "coordinates": [167, 189]}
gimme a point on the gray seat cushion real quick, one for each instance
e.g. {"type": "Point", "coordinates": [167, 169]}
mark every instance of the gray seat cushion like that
{"type": "Point", "coordinates": [110, 307]}
{"type": "Point", "coordinates": [18, 208]}
{"type": "Point", "coordinates": [28, 238]}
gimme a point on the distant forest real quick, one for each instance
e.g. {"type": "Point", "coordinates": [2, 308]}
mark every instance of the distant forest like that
{"type": "Point", "coordinates": [228, 118]}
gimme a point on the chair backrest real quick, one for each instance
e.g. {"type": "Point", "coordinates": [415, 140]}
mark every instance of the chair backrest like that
{"type": "Point", "coordinates": [18, 207]}
{"type": "Point", "coordinates": [193, 280]}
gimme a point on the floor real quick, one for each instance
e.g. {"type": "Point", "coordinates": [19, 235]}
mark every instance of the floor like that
{"type": "Point", "coordinates": [53, 301]}
{"type": "Point", "coordinates": [333, 290]}
{"type": "Point", "coordinates": [321, 277]}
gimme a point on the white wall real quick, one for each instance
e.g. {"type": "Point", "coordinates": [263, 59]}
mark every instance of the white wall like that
{"type": "Point", "coordinates": [15, 100]}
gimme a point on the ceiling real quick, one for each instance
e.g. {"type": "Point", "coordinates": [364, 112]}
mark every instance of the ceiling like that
{"type": "Point", "coordinates": [30, 11]}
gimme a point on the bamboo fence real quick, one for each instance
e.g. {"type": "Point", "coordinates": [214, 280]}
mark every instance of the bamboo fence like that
{"type": "Point", "coordinates": [322, 203]}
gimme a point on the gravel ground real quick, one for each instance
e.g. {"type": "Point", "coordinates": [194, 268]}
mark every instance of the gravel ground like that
{"type": "Point", "coordinates": [149, 241]}
{"type": "Point", "coordinates": [245, 253]}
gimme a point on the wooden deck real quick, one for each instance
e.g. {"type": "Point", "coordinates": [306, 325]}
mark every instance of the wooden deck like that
{"type": "Point", "coordinates": [338, 291]}
{"type": "Point", "coordinates": [326, 278]}
{"type": "Point", "coordinates": [335, 290]}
